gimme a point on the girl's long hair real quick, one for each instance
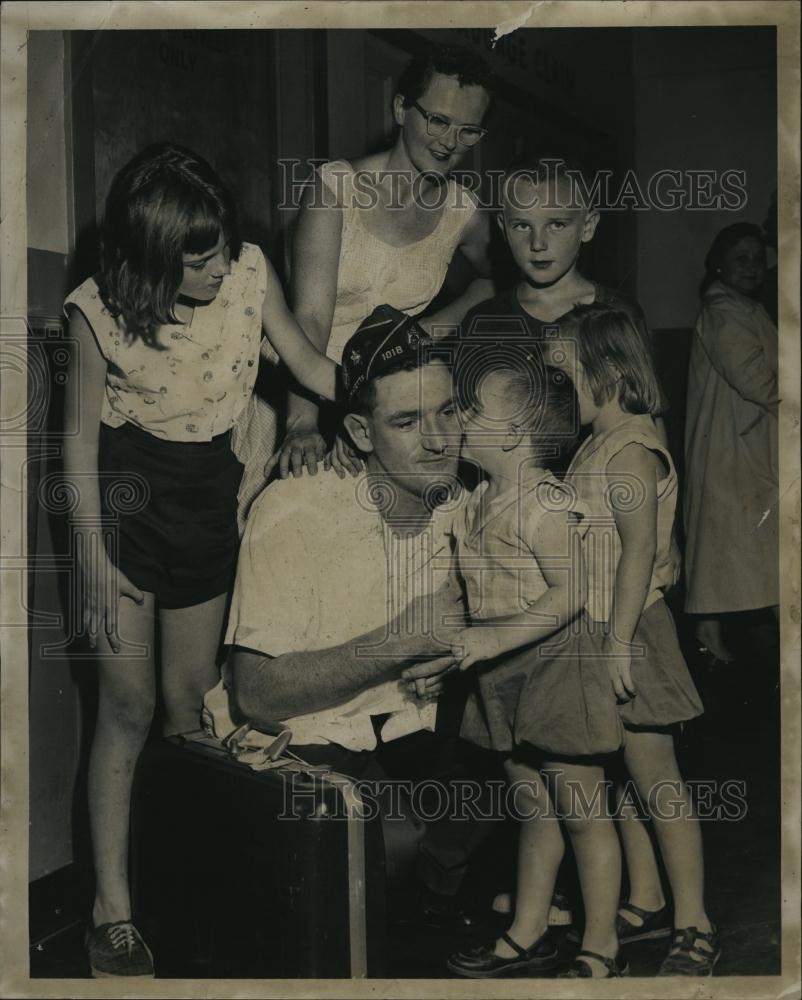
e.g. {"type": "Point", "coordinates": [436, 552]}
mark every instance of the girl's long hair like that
{"type": "Point", "coordinates": [615, 357]}
{"type": "Point", "coordinates": [167, 201]}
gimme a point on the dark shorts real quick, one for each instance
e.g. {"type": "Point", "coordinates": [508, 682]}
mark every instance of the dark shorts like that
{"type": "Point", "coordinates": [172, 507]}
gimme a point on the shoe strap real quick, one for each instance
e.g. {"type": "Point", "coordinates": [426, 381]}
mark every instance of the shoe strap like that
{"type": "Point", "coordinates": [609, 963]}
{"type": "Point", "coordinates": [522, 952]}
{"type": "Point", "coordinates": [638, 911]}
{"type": "Point", "coordinates": [685, 939]}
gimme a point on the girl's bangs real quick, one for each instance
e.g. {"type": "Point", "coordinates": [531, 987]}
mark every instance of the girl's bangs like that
{"type": "Point", "coordinates": [203, 229]}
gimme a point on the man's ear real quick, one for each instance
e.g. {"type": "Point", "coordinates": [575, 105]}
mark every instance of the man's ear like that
{"type": "Point", "coordinates": [513, 437]}
{"type": "Point", "coordinates": [399, 111]}
{"type": "Point", "coordinates": [591, 221]}
{"type": "Point", "coordinates": [358, 428]}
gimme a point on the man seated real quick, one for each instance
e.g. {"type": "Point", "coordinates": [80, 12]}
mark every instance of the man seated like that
{"type": "Point", "coordinates": [341, 583]}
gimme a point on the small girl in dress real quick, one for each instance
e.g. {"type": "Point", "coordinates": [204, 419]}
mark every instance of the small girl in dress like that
{"type": "Point", "coordinates": [519, 553]}
{"type": "Point", "coordinates": [167, 342]}
{"type": "Point", "coordinates": [625, 477]}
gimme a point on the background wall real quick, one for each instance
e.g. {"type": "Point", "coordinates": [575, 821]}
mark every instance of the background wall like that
{"type": "Point", "coordinates": [705, 99]}
{"type": "Point", "coordinates": [47, 193]}
{"type": "Point", "coordinates": [55, 711]}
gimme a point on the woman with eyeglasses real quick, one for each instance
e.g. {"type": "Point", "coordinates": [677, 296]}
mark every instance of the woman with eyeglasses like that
{"type": "Point", "coordinates": [383, 229]}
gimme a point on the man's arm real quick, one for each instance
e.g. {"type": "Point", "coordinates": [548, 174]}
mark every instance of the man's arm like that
{"type": "Point", "coordinates": [265, 688]}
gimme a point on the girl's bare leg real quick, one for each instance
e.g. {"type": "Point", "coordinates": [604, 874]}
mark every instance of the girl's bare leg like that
{"type": "Point", "coordinates": [651, 762]}
{"type": "Point", "coordinates": [645, 888]}
{"type": "Point", "coordinates": [581, 795]}
{"type": "Point", "coordinates": [540, 851]}
{"type": "Point", "coordinates": [190, 641]}
{"type": "Point", "coordinates": [126, 700]}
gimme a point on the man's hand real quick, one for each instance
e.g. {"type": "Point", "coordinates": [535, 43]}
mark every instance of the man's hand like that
{"type": "Point", "coordinates": [426, 680]}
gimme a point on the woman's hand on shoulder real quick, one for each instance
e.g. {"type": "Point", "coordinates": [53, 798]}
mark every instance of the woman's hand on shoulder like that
{"type": "Point", "coordinates": [303, 446]}
{"type": "Point", "coordinates": [344, 458]}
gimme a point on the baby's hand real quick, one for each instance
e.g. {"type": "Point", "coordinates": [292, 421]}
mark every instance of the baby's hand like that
{"type": "Point", "coordinates": [473, 645]}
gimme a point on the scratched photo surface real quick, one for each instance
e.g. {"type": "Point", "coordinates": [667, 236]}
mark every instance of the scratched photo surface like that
{"type": "Point", "coordinates": [335, 820]}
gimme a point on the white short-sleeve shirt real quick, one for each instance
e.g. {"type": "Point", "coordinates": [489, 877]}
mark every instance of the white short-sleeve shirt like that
{"type": "Point", "coordinates": [318, 567]}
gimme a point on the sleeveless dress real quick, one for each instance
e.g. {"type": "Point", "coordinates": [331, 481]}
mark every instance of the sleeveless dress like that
{"type": "Point", "coordinates": [665, 692]}
{"type": "Point", "coordinates": [371, 273]}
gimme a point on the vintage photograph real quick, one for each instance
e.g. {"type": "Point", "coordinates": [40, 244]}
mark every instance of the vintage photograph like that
{"type": "Point", "coordinates": [405, 522]}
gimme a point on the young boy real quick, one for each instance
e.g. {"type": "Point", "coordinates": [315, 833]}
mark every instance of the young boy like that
{"type": "Point", "coordinates": [545, 221]}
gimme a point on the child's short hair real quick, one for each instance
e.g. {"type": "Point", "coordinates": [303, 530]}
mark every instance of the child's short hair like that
{"type": "Point", "coordinates": [613, 353]}
{"type": "Point", "coordinates": [469, 68]}
{"type": "Point", "coordinates": [167, 201]}
{"type": "Point", "coordinates": [542, 168]}
{"type": "Point", "coordinates": [544, 398]}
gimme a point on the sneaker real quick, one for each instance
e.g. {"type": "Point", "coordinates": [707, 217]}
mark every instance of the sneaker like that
{"type": "Point", "coordinates": [116, 949]}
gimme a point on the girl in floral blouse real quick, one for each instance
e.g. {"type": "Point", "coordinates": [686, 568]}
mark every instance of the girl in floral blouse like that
{"type": "Point", "coordinates": [166, 347]}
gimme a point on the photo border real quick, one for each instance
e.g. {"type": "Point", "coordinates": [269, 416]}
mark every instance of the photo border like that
{"type": "Point", "coordinates": [17, 19]}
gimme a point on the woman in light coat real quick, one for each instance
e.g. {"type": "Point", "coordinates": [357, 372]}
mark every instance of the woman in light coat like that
{"type": "Point", "coordinates": [731, 483]}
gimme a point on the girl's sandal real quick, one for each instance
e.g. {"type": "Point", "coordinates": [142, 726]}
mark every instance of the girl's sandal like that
{"type": "Point", "coordinates": [580, 969]}
{"type": "Point", "coordinates": [654, 924]}
{"type": "Point", "coordinates": [693, 953]}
